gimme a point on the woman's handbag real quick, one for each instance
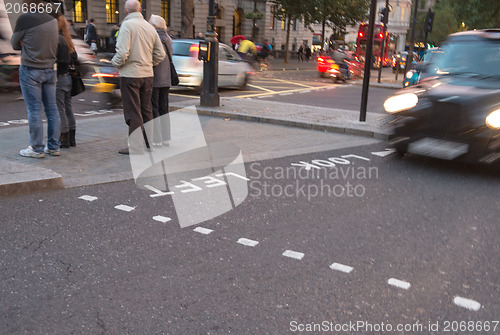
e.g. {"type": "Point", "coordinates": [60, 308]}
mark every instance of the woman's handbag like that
{"type": "Point", "coordinates": [173, 73]}
{"type": "Point", "coordinates": [77, 86]}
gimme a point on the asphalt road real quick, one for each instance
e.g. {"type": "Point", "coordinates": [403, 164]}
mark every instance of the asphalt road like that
{"type": "Point", "coordinates": [410, 242]}
{"type": "Point", "coordinates": [301, 87]}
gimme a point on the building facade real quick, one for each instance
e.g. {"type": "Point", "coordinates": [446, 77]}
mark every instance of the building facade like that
{"type": "Point", "coordinates": [230, 20]}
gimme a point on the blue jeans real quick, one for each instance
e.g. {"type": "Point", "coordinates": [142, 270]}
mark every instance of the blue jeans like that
{"type": "Point", "coordinates": [63, 95]}
{"type": "Point", "coordinates": [39, 89]}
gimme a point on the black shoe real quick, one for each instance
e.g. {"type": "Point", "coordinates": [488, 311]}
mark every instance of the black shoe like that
{"type": "Point", "coordinates": [72, 140]}
{"type": "Point", "coordinates": [64, 139]}
{"type": "Point", "coordinates": [123, 151]}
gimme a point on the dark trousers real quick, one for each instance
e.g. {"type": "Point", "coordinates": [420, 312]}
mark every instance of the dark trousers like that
{"type": "Point", "coordinates": [137, 107]}
{"type": "Point", "coordinates": [136, 99]}
{"type": "Point", "coordinates": [160, 114]}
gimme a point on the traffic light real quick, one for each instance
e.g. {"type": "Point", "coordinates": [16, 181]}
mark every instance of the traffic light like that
{"type": "Point", "coordinates": [428, 21]}
{"type": "Point", "coordinates": [384, 15]}
{"type": "Point", "coordinates": [216, 9]}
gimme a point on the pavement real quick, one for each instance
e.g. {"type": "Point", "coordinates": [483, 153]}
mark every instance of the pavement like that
{"type": "Point", "coordinates": [95, 159]}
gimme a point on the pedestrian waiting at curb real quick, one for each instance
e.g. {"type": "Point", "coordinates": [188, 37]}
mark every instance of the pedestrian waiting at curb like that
{"type": "Point", "coordinates": [37, 78]}
{"type": "Point", "coordinates": [161, 86]}
{"type": "Point", "coordinates": [138, 49]}
{"type": "Point", "coordinates": [66, 55]}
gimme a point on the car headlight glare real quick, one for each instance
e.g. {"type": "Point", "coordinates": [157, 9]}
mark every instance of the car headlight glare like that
{"type": "Point", "coordinates": [493, 120]}
{"type": "Point", "coordinates": [409, 74]}
{"type": "Point", "coordinates": [400, 102]}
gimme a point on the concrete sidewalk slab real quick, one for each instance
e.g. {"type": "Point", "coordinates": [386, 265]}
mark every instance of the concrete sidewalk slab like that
{"type": "Point", "coordinates": [292, 115]}
{"type": "Point", "coordinates": [17, 178]}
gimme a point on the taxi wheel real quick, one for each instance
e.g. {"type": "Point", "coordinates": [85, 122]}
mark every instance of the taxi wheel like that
{"type": "Point", "coordinates": [401, 148]}
{"type": "Point", "coordinates": [322, 74]}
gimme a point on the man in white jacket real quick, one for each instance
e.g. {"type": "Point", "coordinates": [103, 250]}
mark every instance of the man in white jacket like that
{"type": "Point", "coordinates": [138, 49]}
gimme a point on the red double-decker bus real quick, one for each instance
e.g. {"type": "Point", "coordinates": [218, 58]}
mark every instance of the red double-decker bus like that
{"type": "Point", "coordinates": [379, 35]}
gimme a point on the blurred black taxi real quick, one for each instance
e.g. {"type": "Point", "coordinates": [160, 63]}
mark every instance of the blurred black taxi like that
{"type": "Point", "coordinates": [454, 111]}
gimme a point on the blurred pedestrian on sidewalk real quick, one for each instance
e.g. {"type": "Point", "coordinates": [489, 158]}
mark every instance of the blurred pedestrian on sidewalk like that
{"type": "Point", "coordinates": [91, 35]}
{"type": "Point", "coordinates": [300, 53]}
{"type": "Point", "coordinates": [138, 49]}
{"type": "Point", "coordinates": [66, 56]}
{"type": "Point", "coordinates": [161, 86]}
{"type": "Point", "coordinates": [307, 53]}
{"type": "Point", "coordinates": [36, 35]}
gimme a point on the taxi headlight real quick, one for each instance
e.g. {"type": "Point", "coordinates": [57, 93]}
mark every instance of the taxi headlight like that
{"type": "Point", "coordinates": [409, 74]}
{"type": "Point", "coordinates": [493, 120]}
{"type": "Point", "coordinates": [400, 102]}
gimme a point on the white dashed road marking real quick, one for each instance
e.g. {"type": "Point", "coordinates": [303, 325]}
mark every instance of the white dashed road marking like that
{"type": "Point", "coordinates": [247, 242]}
{"type": "Point", "coordinates": [341, 267]}
{"type": "Point", "coordinates": [203, 230]}
{"type": "Point", "coordinates": [162, 219]}
{"type": "Point", "coordinates": [399, 283]}
{"type": "Point", "coordinates": [88, 198]}
{"type": "Point", "coordinates": [293, 254]}
{"type": "Point", "coordinates": [125, 208]}
{"type": "Point", "coordinates": [387, 152]}
{"type": "Point", "coordinates": [467, 303]}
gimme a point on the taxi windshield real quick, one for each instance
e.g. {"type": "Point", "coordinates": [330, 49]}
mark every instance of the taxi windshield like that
{"type": "Point", "coordinates": [479, 59]}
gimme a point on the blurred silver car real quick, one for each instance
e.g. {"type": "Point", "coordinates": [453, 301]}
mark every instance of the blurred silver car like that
{"type": "Point", "coordinates": [233, 70]}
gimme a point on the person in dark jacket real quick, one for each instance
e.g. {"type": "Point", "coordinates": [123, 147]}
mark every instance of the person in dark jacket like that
{"type": "Point", "coordinates": [161, 86]}
{"type": "Point", "coordinates": [66, 55]}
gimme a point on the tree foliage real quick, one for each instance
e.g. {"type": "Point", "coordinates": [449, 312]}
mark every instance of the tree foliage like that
{"type": "Point", "coordinates": [338, 14]}
{"type": "Point", "coordinates": [457, 15]}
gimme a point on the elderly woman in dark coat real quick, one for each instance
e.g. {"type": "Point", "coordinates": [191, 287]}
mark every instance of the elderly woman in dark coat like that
{"type": "Point", "coordinates": [161, 86]}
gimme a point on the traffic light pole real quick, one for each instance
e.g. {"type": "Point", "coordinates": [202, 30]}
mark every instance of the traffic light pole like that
{"type": "Point", "coordinates": [368, 62]}
{"type": "Point", "coordinates": [210, 87]}
{"type": "Point", "coordinates": [384, 31]}
{"type": "Point", "coordinates": [409, 59]}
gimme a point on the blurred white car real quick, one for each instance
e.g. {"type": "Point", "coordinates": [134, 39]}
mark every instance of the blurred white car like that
{"type": "Point", "coordinates": [233, 70]}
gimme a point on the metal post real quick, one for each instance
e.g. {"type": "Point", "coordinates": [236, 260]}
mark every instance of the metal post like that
{"type": "Point", "coordinates": [383, 40]}
{"type": "Point", "coordinates": [368, 61]}
{"type": "Point", "coordinates": [210, 86]}
{"type": "Point", "coordinates": [409, 60]}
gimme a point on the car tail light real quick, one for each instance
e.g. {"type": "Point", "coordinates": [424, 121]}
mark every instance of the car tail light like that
{"type": "Point", "coordinates": [381, 35]}
{"type": "Point", "coordinates": [320, 59]}
{"type": "Point", "coordinates": [194, 49]}
{"type": "Point", "coordinates": [104, 75]}
{"type": "Point", "coordinates": [360, 34]}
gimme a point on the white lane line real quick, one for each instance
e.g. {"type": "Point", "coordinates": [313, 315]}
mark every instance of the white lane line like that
{"type": "Point", "coordinates": [293, 254]}
{"type": "Point", "coordinates": [341, 267]}
{"type": "Point", "coordinates": [247, 242]}
{"type": "Point", "coordinates": [95, 101]}
{"type": "Point", "coordinates": [162, 219]}
{"type": "Point", "coordinates": [387, 152]}
{"type": "Point", "coordinates": [285, 94]}
{"type": "Point", "coordinates": [87, 198]}
{"type": "Point", "coordinates": [399, 283]}
{"type": "Point", "coordinates": [125, 208]}
{"type": "Point", "coordinates": [201, 230]}
{"type": "Point", "coordinates": [467, 303]}
{"type": "Point", "coordinates": [81, 100]}
{"type": "Point", "coordinates": [308, 91]}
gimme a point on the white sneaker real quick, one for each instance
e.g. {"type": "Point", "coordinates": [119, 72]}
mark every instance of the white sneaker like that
{"type": "Point", "coordinates": [52, 152]}
{"type": "Point", "coordinates": [29, 152]}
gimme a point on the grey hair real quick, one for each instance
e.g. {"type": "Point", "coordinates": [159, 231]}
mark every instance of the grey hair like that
{"type": "Point", "coordinates": [132, 6]}
{"type": "Point", "coordinates": [158, 22]}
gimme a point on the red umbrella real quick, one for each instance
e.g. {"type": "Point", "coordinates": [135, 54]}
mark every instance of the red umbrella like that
{"type": "Point", "coordinates": [237, 38]}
